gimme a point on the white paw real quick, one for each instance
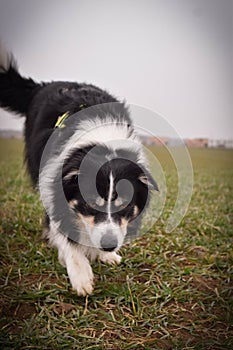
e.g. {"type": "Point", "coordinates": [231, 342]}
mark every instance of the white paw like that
{"type": "Point", "coordinates": [111, 258]}
{"type": "Point", "coordinates": [81, 278]}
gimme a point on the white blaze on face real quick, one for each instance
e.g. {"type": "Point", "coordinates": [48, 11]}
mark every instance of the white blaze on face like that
{"type": "Point", "coordinates": [110, 193]}
{"type": "Point", "coordinates": [101, 229]}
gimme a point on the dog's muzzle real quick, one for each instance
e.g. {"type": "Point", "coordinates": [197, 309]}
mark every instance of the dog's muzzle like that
{"type": "Point", "coordinates": [108, 242]}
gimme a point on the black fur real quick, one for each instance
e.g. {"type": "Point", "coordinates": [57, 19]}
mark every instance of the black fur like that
{"type": "Point", "coordinates": [42, 104]}
{"type": "Point", "coordinates": [93, 223]}
{"type": "Point", "coordinates": [16, 92]}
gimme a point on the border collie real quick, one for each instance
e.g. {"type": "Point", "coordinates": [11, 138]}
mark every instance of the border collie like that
{"type": "Point", "coordinates": [83, 154]}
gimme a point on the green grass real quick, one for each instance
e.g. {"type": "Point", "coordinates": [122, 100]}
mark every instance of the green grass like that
{"type": "Point", "coordinates": [172, 290]}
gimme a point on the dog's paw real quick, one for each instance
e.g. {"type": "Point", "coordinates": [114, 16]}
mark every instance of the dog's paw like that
{"type": "Point", "coordinates": [111, 258]}
{"type": "Point", "coordinates": [82, 280]}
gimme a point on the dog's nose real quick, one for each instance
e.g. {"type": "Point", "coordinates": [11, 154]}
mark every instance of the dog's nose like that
{"type": "Point", "coordinates": [108, 242]}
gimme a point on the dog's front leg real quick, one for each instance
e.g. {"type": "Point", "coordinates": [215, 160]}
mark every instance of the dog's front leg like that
{"type": "Point", "coordinates": [72, 256]}
{"type": "Point", "coordinates": [79, 270]}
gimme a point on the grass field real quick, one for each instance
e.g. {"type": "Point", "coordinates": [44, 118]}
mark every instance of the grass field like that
{"type": "Point", "coordinates": [172, 291]}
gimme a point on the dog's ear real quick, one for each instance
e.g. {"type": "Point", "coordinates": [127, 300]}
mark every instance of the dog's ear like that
{"type": "Point", "coordinates": [149, 181]}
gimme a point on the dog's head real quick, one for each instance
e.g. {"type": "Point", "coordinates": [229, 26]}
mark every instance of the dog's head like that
{"type": "Point", "coordinates": [107, 190]}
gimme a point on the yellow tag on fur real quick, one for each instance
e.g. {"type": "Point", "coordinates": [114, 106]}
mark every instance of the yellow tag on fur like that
{"type": "Point", "coordinates": [61, 119]}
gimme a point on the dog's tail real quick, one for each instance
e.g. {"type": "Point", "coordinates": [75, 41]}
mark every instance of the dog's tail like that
{"type": "Point", "coordinates": [16, 92]}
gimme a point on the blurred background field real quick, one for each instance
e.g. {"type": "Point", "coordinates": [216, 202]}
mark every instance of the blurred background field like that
{"type": "Point", "coordinates": [172, 290]}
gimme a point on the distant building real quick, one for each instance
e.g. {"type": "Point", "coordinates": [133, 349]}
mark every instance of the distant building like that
{"type": "Point", "coordinates": [200, 142]}
{"type": "Point", "coordinates": [11, 134]}
{"type": "Point", "coordinates": [196, 143]}
{"type": "Point", "coordinates": [220, 143]}
{"type": "Point", "coordinates": [154, 141]}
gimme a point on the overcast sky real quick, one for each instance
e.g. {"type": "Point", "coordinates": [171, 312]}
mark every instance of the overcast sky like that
{"type": "Point", "coordinates": [171, 56]}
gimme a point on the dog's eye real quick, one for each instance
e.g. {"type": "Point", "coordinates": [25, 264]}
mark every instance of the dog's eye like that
{"type": "Point", "coordinates": [98, 202]}
{"type": "Point", "coordinates": [123, 205]}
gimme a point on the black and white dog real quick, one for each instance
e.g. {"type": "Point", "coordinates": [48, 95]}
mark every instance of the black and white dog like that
{"type": "Point", "coordinates": [80, 122]}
